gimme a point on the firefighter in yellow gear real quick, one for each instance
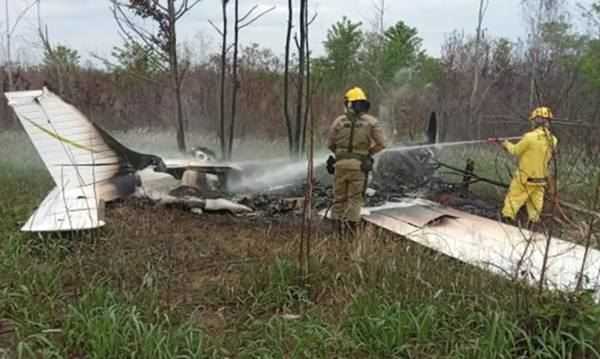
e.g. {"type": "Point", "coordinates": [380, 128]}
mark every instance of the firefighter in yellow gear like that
{"type": "Point", "coordinates": [534, 152]}
{"type": "Point", "coordinates": [353, 137]}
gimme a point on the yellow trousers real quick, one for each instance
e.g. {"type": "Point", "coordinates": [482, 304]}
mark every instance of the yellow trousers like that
{"type": "Point", "coordinates": [348, 190]}
{"type": "Point", "coordinates": [522, 193]}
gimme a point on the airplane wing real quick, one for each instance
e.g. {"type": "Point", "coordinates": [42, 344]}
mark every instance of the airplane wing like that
{"type": "Point", "coordinates": [491, 245]}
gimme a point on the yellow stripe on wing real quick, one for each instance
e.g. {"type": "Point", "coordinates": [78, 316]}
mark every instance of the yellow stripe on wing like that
{"type": "Point", "coordinates": [57, 136]}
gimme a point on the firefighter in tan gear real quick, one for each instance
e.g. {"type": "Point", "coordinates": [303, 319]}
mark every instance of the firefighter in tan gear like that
{"type": "Point", "coordinates": [534, 152]}
{"type": "Point", "coordinates": [354, 137]}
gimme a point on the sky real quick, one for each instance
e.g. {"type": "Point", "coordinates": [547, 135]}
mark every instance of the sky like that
{"type": "Point", "coordinates": [88, 25]}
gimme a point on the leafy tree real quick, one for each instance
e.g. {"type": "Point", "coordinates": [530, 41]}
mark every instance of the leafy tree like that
{"type": "Point", "coordinates": [402, 48]}
{"type": "Point", "coordinates": [255, 58]}
{"type": "Point", "coordinates": [591, 63]}
{"type": "Point", "coordinates": [342, 45]}
{"type": "Point", "coordinates": [372, 60]}
{"type": "Point", "coordinates": [591, 60]}
{"type": "Point", "coordinates": [501, 55]}
{"type": "Point", "coordinates": [384, 54]}
{"type": "Point", "coordinates": [136, 60]}
{"type": "Point", "coordinates": [428, 70]}
{"type": "Point", "coordinates": [559, 39]}
{"type": "Point", "coordinates": [561, 54]}
{"type": "Point", "coordinates": [61, 64]}
{"type": "Point", "coordinates": [67, 59]}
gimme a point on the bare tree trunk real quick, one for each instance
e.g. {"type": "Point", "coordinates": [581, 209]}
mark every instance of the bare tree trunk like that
{"type": "Point", "coordinates": [55, 70]}
{"type": "Point", "coordinates": [301, 73]}
{"type": "Point", "coordinates": [174, 62]}
{"type": "Point", "coordinates": [307, 216]}
{"type": "Point", "coordinates": [223, 66]}
{"type": "Point", "coordinates": [286, 79]}
{"type": "Point", "coordinates": [476, 70]}
{"type": "Point", "coordinates": [8, 48]}
{"type": "Point", "coordinates": [234, 79]}
{"type": "Point", "coordinates": [169, 61]}
{"type": "Point", "coordinates": [381, 19]}
{"type": "Point", "coordinates": [536, 54]}
{"type": "Point", "coordinates": [377, 73]}
{"type": "Point", "coordinates": [307, 100]}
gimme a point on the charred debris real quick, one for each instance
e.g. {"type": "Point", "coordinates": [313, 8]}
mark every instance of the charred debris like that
{"type": "Point", "coordinates": [396, 176]}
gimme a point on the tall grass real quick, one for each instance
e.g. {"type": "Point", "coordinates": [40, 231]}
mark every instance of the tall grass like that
{"type": "Point", "coordinates": [104, 327]}
{"type": "Point", "coordinates": [452, 312]}
{"type": "Point", "coordinates": [100, 325]}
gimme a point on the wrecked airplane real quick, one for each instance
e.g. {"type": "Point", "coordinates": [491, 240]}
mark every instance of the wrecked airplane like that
{"type": "Point", "coordinates": [90, 167]}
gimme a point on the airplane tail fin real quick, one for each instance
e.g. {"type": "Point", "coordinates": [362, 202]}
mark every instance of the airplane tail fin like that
{"type": "Point", "coordinates": [87, 165]}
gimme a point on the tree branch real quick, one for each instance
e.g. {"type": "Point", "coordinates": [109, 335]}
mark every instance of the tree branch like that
{"type": "Point", "coordinates": [184, 70]}
{"type": "Point", "coordinates": [142, 34]}
{"type": "Point", "coordinates": [185, 7]}
{"type": "Point", "coordinates": [245, 16]}
{"type": "Point", "coordinates": [182, 8]}
{"type": "Point", "coordinates": [487, 90]}
{"type": "Point", "coordinates": [160, 6]}
{"type": "Point", "coordinates": [215, 27]}
{"type": "Point", "coordinates": [374, 78]}
{"type": "Point", "coordinates": [589, 14]}
{"type": "Point", "coordinates": [312, 19]}
{"type": "Point", "coordinates": [21, 16]}
{"type": "Point", "coordinates": [254, 19]}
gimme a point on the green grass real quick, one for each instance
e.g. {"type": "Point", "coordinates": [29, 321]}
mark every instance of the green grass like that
{"type": "Point", "coordinates": [62, 297]}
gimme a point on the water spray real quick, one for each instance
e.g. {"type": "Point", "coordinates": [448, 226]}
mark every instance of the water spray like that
{"type": "Point", "coordinates": [402, 148]}
{"type": "Point", "coordinates": [278, 173]}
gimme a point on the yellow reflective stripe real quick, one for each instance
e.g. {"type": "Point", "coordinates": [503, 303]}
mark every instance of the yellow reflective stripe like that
{"type": "Point", "coordinates": [57, 136]}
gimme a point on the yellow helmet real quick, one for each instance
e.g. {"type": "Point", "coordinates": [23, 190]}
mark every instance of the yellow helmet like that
{"type": "Point", "coordinates": [543, 112]}
{"type": "Point", "coordinates": [355, 94]}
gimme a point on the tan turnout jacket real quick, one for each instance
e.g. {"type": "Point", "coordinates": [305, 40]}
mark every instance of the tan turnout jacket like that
{"type": "Point", "coordinates": [368, 136]}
